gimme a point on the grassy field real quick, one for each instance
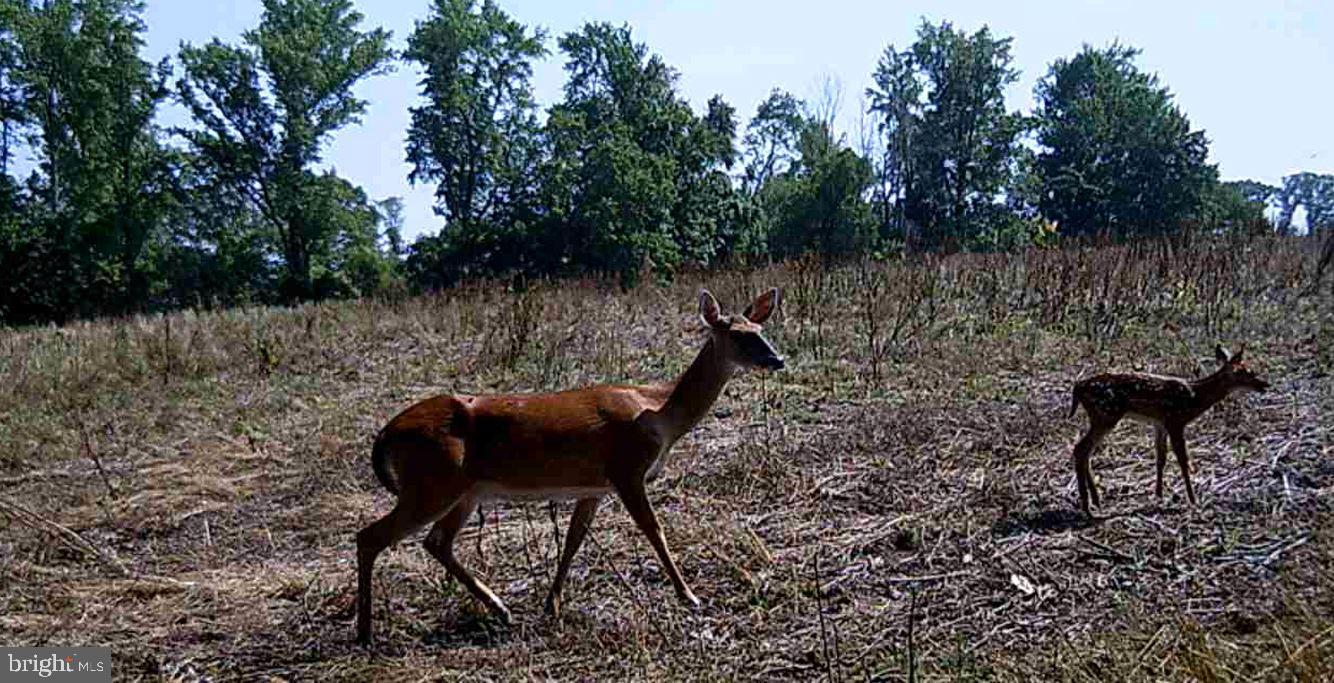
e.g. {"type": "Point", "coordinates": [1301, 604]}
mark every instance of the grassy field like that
{"type": "Point", "coordinates": [898, 504]}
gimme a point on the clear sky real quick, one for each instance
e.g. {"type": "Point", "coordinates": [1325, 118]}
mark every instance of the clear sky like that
{"type": "Point", "coordinates": [1254, 75]}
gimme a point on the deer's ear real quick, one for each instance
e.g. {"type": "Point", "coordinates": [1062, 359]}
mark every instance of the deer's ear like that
{"type": "Point", "coordinates": [1221, 354]}
{"type": "Point", "coordinates": [763, 306]}
{"type": "Point", "coordinates": [709, 310]}
{"type": "Point", "coordinates": [1241, 351]}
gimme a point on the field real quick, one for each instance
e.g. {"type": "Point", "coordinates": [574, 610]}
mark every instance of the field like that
{"type": "Point", "coordinates": [898, 504]}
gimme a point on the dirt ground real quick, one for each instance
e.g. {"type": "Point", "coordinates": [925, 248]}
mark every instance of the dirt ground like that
{"type": "Point", "coordinates": [898, 504]}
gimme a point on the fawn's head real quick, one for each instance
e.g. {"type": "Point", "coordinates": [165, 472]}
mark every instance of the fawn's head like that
{"type": "Point", "coordinates": [739, 337]}
{"type": "Point", "coordinates": [1234, 369]}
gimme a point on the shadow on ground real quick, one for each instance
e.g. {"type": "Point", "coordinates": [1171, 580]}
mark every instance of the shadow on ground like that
{"type": "Point", "coordinates": [1051, 520]}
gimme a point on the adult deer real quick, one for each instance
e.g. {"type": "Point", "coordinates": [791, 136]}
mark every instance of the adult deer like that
{"type": "Point", "coordinates": [1168, 403]}
{"type": "Point", "coordinates": [444, 455]}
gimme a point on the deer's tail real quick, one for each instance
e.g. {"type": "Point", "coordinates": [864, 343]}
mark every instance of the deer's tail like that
{"type": "Point", "coordinates": [380, 463]}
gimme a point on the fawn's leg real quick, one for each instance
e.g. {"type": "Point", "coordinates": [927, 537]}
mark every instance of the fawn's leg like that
{"type": "Point", "coordinates": [1083, 473]}
{"type": "Point", "coordinates": [1178, 437]}
{"type": "Point", "coordinates": [1160, 449]}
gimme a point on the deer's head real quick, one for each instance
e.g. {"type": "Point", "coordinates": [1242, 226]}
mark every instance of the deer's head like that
{"type": "Point", "coordinates": [739, 338]}
{"type": "Point", "coordinates": [1233, 368]}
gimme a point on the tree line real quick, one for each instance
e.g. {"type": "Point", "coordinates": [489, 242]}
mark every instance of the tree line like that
{"type": "Point", "coordinates": [119, 214]}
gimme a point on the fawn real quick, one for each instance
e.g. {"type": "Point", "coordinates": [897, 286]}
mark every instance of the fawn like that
{"type": "Point", "coordinates": [1168, 403]}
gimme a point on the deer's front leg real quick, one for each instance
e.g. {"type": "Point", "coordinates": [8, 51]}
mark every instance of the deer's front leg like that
{"type": "Point", "coordinates": [636, 502]}
{"type": "Point", "coordinates": [1176, 432]}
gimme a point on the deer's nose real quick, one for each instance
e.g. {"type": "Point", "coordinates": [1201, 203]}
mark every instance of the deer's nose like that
{"type": "Point", "coordinates": [772, 363]}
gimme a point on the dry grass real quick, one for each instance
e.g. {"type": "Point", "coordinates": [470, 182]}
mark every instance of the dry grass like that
{"type": "Point", "coordinates": [898, 505]}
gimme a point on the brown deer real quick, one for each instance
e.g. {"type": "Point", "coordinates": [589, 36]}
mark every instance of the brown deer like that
{"type": "Point", "coordinates": [1168, 403]}
{"type": "Point", "coordinates": [444, 455]}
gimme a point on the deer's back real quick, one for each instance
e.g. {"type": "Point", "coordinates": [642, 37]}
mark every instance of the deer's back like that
{"type": "Point", "coordinates": [1150, 397]}
{"type": "Point", "coordinates": [533, 445]}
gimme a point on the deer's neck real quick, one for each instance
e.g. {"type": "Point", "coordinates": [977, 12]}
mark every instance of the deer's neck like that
{"type": "Point", "coordinates": [1210, 390]}
{"type": "Point", "coordinates": [696, 390]}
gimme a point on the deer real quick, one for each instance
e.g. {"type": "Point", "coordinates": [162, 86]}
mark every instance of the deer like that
{"type": "Point", "coordinates": [445, 455]}
{"type": "Point", "coordinates": [1167, 403]}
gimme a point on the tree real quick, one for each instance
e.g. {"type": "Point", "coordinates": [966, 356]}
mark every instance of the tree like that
{"type": "Point", "coordinates": [703, 217]}
{"type": "Point", "coordinates": [768, 151]}
{"type": "Point", "coordinates": [1117, 154]}
{"type": "Point", "coordinates": [772, 137]}
{"type": "Point", "coordinates": [818, 205]}
{"type": "Point", "coordinates": [1254, 190]}
{"type": "Point", "coordinates": [11, 104]}
{"type": "Point", "coordinates": [626, 157]}
{"type": "Point", "coordinates": [82, 101]}
{"type": "Point", "coordinates": [1311, 191]}
{"type": "Point", "coordinates": [803, 188]}
{"type": "Point", "coordinates": [1235, 207]}
{"type": "Point", "coordinates": [266, 108]}
{"type": "Point", "coordinates": [350, 263]}
{"type": "Point", "coordinates": [15, 240]}
{"type": "Point", "coordinates": [950, 141]}
{"type": "Point", "coordinates": [476, 135]}
{"type": "Point", "coordinates": [896, 102]}
{"type": "Point", "coordinates": [967, 137]}
{"type": "Point", "coordinates": [391, 216]}
{"type": "Point", "coordinates": [220, 251]}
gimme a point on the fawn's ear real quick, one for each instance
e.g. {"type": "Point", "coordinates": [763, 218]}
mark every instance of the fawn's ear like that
{"type": "Point", "coordinates": [709, 311]}
{"type": "Point", "coordinates": [1221, 354]}
{"type": "Point", "coordinates": [1236, 357]}
{"type": "Point", "coordinates": [763, 306]}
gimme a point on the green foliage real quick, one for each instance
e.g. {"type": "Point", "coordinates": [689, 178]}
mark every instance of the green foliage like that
{"type": "Point", "coordinates": [819, 202]}
{"type": "Point", "coordinates": [217, 255]}
{"type": "Point", "coordinates": [1118, 156]}
{"type": "Point", "coordinates": [621, 177]}
{"type": "Point", "coordinates": [633, 175]}
{"type": "Point", "coordinates": [1254, 191]}
{"type": "Point", "coordinates": [896, 104]}
{"type": "Point", "coordinates": [1311, 191]}
{"type": "Point", "coordinates": [769, 150]}
{"type": "Point", "coordinates": [391, 217]}
{"type": "Point", "coordinates": [1235, 207]}
{"type": "Point", "coordinates": [79, 98]}
{"type": "Point", "coordinates": [806, 187]}
{"type": "Point", "coordinates": [703, 212]}
{"type": "Point", "coordinates": [266, 108]}
{"type": "Point", "coordinates": [475, 135]}
{"type": "Point", "coordinates": [949, 139]}
{"type": "Point", "coordinates": [772, 138]}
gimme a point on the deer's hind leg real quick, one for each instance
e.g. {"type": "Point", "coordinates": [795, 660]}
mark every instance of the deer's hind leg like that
{"type": "Point", "coordinates": [579, 522]}
{"type": "Point", "coordinates": [440, 543]}
{"type": "Point", "coordinates": [1160, 453]}
{"type": "Point", "coordinates": [1088, 488]}
{"type": "Point", "coordinates": [415, 509]}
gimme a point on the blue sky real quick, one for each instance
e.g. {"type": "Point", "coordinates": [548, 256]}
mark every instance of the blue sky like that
{"type": "Point", "coordinates": [1254, 75]}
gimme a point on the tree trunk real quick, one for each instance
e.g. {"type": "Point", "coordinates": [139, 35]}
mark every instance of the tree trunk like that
{"type": "Point", "coordinates": [297, 287]}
